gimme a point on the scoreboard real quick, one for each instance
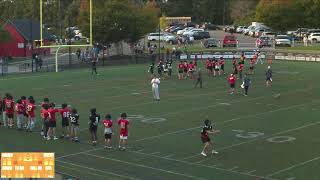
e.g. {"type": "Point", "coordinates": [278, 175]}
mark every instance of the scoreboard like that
{"type": "Point", "coordinates": [27, 165]}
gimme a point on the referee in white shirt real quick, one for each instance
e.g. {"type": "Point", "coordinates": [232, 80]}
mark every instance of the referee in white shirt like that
{"type": "Point", "coordinates": [155, 88]}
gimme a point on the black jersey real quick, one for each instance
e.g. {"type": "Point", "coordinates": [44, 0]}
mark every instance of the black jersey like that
{"type": "Point", "coordinates": [74, 119]}
{"type": "Point", "coordinates": [94, 120]}
{"type": "Point", "coordinates": [205, 129]}
{"type": "Point", "coordinates": [151, 68]}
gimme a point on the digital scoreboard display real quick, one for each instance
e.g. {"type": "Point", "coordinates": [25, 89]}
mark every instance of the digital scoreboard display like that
{"type": "Point", "coordinates": [27, 165]}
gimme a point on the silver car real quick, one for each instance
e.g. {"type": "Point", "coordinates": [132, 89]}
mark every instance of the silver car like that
{"type": "Point", "coordinates": [283, 40]}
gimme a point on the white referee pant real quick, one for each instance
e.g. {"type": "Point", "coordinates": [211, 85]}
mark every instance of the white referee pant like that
{"type": "Point", "coordinates": [155, 92]}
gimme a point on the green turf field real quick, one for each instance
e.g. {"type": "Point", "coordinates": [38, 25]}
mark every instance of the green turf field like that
{"type": "Point", "coordinates": [261, 137]}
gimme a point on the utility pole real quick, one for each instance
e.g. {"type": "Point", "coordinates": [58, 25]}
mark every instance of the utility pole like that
{"type": "Point", "coordinates": [159, 49]}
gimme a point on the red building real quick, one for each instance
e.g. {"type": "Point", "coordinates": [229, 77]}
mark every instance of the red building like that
{"type": "Point", "coordinates": [24, 39]}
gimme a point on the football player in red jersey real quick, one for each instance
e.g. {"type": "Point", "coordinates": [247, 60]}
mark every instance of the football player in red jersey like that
{"type": "Point", "coordinates": [9, 105]}
{"type": "Point", "coordinates": [65, 112]}
{"type": "Point", "coordinates": [52, 122]}
{"type": "Point", "coordinates": [180, 70]}
{"type": "Point", "coordinates": [44, 103]}
{"type": "Point", "coordinates": [24, 102]}
{"type": "Point", "coordinates": [206, 131]}
{"type": "Point", "coordinates": [124, 124]}
{"type": "Point", "coordinates": [31, 107]}
{"type": "Point", "coordinates": [191, 69]}
{"type": "Point", "coordinates": [20, 111]}
{"type": "Point", "coordinates": [45, 119]}
{"type": "Point", "coordinates": [107, 122]}
{"type": "Point", "coordinates": [240, 69]}
{"type": "Point", "coordinates": [232, 82]}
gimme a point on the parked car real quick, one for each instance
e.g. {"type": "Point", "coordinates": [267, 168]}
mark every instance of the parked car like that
{"type": "Point", "coordinates": [310, 31]}
{"type": "Point", "coordinates": [314, 37]}
{"type": "Point", "coordinates": [269, 34]}
{"type": "Point", "coordinates": [258, 32]}
{"type": "Point", "coordinates": [208, 26]}
{"type": "Point", "coordinates": [180, 32]}
{"type": "Point", "coordinates": [240, 29]}
{"type": "Point", "coordinates": [156, 37]}
{"type": "Point", "coordinates": [211, 42]}
{"type": "Point", "coordinates": [191, 32]}
{"type": "Point", "coordinates": [283, 40]}
{"type": "Point", "coordinates": [175, 30]}
{"type": "Point", "coordinates": [201, 35]}
{"type": "Point", "coordinates": [250, 31]}
{"type": "Point", "coordinates": [229, 40]}
{"type": "Point", "coordinates": [264, 41]}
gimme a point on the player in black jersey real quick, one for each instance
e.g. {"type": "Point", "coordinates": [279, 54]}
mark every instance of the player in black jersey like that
{"type": "Point", "coordinates": [206, 130]}
{"type": "Point", "coordinates": [151, 69]}
{"type": "Point", "coordinates": [94, 120]}
{"type": "Point", "coordinates": [74, 120]}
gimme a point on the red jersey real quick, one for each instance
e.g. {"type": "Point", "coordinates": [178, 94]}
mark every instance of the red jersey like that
{"type": "Point", "coordinates": [9, 106]}
{"type": "Point", "coordinates": [19, 109]}
{"type": "Point", "coordinates": [208, 63]}
{"type": "Point", "coordinates": [241, 67]}
{"type": "Point", "coordinates": [44, 114]}
{"type": "Point", "coordinates": [123, 127]}
{"type": "Point", "coordinates": [185, 66]}
{"type": "Point", "coordinates": [107, 123]}
{"type": "Point", "coordinates": [232, 80]}
{"type": "Point", "coordinates": [234, 61]}
{"type": "Point", "coordinates": [181, 66]}
{"type": "Point", "coordinates": [191, 66]}
{"type": "Point", "coordinates": [24, 104]}
{"type": "Point", "coordinates": [30, 110]}
{"type": "Point", "coordinates": [64, 113]}
{"type": "Point", "coordinates": [221, 62]}
{"type": "Point", "coordinates": [52, 114]}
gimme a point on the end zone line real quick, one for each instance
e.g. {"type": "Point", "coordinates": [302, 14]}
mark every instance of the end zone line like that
{"type": "Point", "coordinates": [97, 170]}
{"type": "Point", "coordinates": [294, 166]}
{"type": "Point", "coordinates": [144, 166]}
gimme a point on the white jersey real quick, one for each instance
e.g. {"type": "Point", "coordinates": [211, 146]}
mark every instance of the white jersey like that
{"type": "Point", "coordinates": [155, 82]}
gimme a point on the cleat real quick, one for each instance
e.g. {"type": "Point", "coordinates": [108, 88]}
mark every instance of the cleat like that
{"type": "Point", "coordinates": [55, 138]}
{"type": "Point", "coordinates": [203, 154]}
{"type": "Point", "coordinates": [214, 152]}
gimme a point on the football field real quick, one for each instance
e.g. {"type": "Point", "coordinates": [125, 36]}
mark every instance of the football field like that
{"type": "Point", "coordinates": [262, 136]}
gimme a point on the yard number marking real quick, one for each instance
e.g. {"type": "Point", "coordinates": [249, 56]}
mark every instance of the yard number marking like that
{"type": "Point", "coordinates": [247, 135]}
{"type": "Point", "coordinates": [252, 135]}
{"type": "Point", "coordinates": [144, 119]}
{"type": "Point", "coordinates": [281, 139]}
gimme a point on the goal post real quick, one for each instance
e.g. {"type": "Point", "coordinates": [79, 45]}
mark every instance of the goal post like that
{"type": "Point", "coordinates": [59, 46]}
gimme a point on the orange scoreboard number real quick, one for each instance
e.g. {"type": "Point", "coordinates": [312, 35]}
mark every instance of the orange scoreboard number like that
{"type": "Point", "coordinates": [27, 165]}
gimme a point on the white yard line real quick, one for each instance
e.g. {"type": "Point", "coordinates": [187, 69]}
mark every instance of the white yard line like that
{"type": "Point", "coordinates": [201, 165]}
{"type": "Point", "coordinates": [231, 169]}
{"type": "Point", "coordinates": [252, 171]}
{"type": "Point", "coordinates": [97, 170]}
{"type": "Point", "coordinates": [293, 166]}
{"type": "Point", "coordinates": [146, 167]}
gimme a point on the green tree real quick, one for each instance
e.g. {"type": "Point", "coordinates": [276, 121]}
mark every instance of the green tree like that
{"type": "Point", "coordinates": [122, 20]}
{"type": "Point", "coordinates": [279, 15]}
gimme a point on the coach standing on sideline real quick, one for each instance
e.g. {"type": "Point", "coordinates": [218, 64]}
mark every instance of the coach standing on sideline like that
{"type": "Point", "coordinates": [155, 88]}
